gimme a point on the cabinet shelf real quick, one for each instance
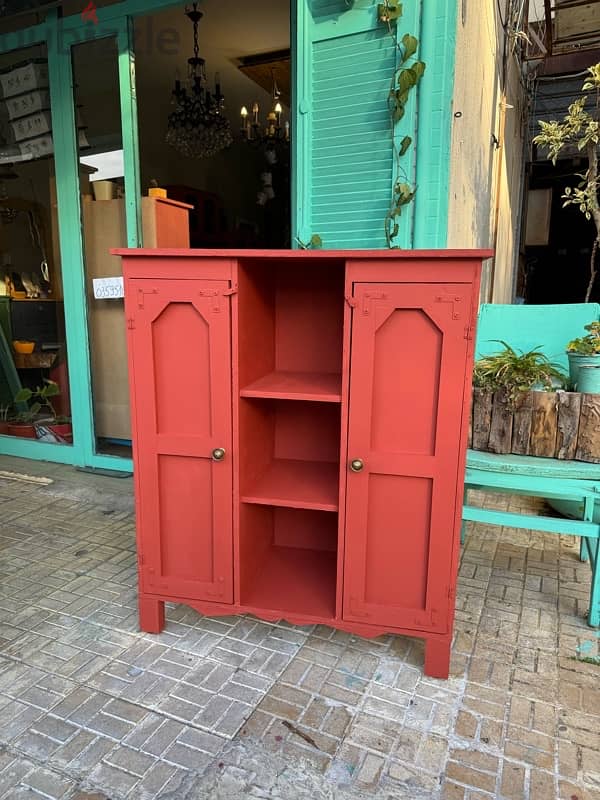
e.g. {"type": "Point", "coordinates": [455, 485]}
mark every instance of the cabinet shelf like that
{"type": "Point", "coordinates": [297, 484]}
{"type": "Point", "coordinates": [323, 387]}
{"type": "Point", "coordinates": [295, 580]}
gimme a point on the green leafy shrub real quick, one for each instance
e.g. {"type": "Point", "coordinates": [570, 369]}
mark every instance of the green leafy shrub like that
{"type": "Point", "coordinates": [515, 372]}
{"type": "Point", "coordinates": [587, 345]}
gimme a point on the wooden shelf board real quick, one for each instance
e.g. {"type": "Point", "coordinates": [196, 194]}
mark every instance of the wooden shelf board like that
{"type": "Point", "coordinates": [319, 386]}
{"type": "Point", "coordinates": [295, 580]}
{"type": "Point", "coordinates": [297, 484]}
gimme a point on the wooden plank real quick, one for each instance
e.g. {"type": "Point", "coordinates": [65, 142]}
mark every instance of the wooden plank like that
{"type": "Point", "coordinates": [544, 419]}
{"type": "Point", "coordinates": [569, 407]}
{"type": "Point", "coordinates": [502, 424]}
{"type": "Point", "coordinates": [522, 424]}
{"type": "Point", "coordinates": [482, 417]}
{"type": "Point", "coordinates": [577, 22]}
{"type": "Point", "coordinates": [588, 440]}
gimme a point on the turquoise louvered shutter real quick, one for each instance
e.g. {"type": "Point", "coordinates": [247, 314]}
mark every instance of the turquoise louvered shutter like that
{"type": "Point", "coordinates": [344, 167]}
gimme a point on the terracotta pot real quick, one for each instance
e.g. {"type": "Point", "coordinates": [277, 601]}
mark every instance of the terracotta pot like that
{"type": "Point", "coordinates": [63, 429]}
{"type": "Point", "coordinates": [3, 427]}
{"type": "Point", "coordinates": [24, 430]}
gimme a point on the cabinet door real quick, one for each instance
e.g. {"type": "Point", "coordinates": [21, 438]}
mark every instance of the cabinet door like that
{"type": "Point", "coordinates": [181, 385]}
{"type": "Point", "coordinates": [408, 361]}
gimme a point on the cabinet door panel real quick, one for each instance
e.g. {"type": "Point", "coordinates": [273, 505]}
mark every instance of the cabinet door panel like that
{"type": "Point", "coordinates": [181, 344]}
{"type": "Point", "coordinates": [408, 360]}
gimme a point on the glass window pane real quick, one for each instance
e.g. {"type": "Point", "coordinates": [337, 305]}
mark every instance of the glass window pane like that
{"type": "Point", "coordinates": [34, 375]}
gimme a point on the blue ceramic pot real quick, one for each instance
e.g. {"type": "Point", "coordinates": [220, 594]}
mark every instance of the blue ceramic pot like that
{"type": "Point", "coordinates": [588, 380]}
{"type": "Point", "coordinates": [577, 360]}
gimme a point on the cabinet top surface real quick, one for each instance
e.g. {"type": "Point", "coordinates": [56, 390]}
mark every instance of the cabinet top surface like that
{"type": "Point", "coordinates": [319, 255]}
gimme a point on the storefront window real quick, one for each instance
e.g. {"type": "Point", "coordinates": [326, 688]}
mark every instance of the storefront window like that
{"type": "Point", "coordinates": [237, 180]}
{"type": "Point", "coordinates": [34, 376]}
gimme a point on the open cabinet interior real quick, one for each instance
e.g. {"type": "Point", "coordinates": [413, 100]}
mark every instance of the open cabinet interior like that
{"type": "Point", "coordinates": [290, 365]}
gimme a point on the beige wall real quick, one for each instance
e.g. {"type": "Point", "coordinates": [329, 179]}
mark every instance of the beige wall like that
{"type": "Point", "coordinates": [485, 179]}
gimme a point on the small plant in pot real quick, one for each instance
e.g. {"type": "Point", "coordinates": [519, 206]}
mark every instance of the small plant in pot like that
{"type": "Point", "coordinates": [22, 424]}
{"type": "Point", "coordinates": [514, 373]}
{"type": "Point", "coordinates": [585, 352]}
{"type": "Point", "coordinates": [59, 428]}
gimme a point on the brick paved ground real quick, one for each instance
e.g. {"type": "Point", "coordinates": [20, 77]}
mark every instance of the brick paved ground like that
{"type": "Point", "coordinates": [237, 708]}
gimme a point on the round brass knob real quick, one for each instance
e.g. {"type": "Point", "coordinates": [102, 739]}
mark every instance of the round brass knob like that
{"type": "Point", "coordinates": [356, 465]}
{"type": "Point", "coordinates": [218, 454]}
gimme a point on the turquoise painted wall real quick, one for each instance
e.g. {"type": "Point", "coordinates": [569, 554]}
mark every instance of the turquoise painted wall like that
{"type": "Point", "coordinates": [345, 62]}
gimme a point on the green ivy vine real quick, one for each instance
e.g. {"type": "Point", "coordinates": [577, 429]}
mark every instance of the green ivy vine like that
{"type": "Point", "coordinates": [406, 77]}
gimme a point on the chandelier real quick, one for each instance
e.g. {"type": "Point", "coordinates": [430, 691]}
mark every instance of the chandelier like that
{"type": "Point", "coordinates": [272, 131]}
{"type": "Point", "coordinates": [197, 127]}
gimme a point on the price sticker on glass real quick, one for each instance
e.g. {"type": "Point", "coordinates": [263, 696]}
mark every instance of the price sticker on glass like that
{"type": "Point", "coordinates": [108, 288]}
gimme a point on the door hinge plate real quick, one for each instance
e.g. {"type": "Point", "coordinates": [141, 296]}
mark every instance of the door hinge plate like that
{"type": "Point", "coordinates": [352, 301]}
{"type": "Point", "coordinates": [130, 324]}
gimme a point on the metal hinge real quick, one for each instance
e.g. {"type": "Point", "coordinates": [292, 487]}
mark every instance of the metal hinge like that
{"type": "Point", "coordinates": [141, 559]}
{"type": "Point", "coordinates": [142, 293]}
{"type": "Point", "coordinates": [455, 300]}
{"type": "Point", "coordinates": [368, 299]}
{"type": "Point", "coordinates": [130, 323]}
{"type": "Point", "coordinates": [352, 301]}
{"type": "Point", "coordinates": [212, 293]}
{"type": "Point", "coordinates": [229, 292]}
{"type": "Point", "coordinates": [468, 332]}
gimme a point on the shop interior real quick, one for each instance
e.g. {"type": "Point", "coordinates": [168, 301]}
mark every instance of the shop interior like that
{"type": "Point", "coordinates": [214, 137]}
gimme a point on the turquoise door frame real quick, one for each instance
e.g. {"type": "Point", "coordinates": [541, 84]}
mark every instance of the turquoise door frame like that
{"type": "Point", "coordinates": [60, 35]}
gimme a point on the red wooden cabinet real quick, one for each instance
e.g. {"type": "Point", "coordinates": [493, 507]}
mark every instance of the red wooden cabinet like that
{"type": "Point", "coordinates": [299, 427]}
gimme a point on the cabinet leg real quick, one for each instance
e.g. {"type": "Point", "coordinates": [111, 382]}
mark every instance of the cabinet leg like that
{"type": "Point", "coordinates": [437, 657]}
{"type": "Point", "coordinates": [152, 614]}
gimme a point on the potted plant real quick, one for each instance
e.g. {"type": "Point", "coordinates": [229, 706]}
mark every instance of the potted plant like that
{"type": "Point", "coordinates": [585, 352]}
{"type": "Point", "coordinates": [515, 373]}
{"type": "Point", "coordinates": [22, 423]}
{"type": "Point", "coordinates": [27, 421]}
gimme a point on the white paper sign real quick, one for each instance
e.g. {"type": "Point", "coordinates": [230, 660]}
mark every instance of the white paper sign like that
{"type": "Point", "coordinates": [108, 288]}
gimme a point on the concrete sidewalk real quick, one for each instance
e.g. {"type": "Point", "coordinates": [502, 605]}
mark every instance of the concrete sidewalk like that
{"type": "Point", "coordinates": [237, 708]}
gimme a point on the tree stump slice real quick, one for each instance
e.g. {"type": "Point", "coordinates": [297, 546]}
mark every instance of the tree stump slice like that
{"type": "Point", "coordinates": [502, 424]}
{"type": "Point", "coordinates": [521, 432]}
{"type": "Point", "coordinates": [482, 417]}
{"type": "Point", "coordinates": [569, 409]}
{"type": "Point", "coordinates": [588, 440]}
{"type": "Point", "coordinates": [544, 424]}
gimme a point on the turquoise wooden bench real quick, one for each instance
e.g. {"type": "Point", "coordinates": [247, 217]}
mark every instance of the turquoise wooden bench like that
{"type": "Point", "coordinates": [526, 327]}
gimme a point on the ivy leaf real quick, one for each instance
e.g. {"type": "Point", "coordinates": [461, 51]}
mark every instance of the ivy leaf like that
{"type": "Point", "coordinates": [405, 144]}
{"type": "Point", "coordinates": [410, 45]}
{"type": "Point", "coordinates": [395, 231]}
{"type": "Point", "coordinates": [419, 69]}
{"type": "Point", "coordinates": [407, 79]}
{"type": "Point", "coordinates": [398, 113]}
{"type": "Point", "coordinates": [316, 241]}
{"type": "Point", "coordinates": [389, 12]}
